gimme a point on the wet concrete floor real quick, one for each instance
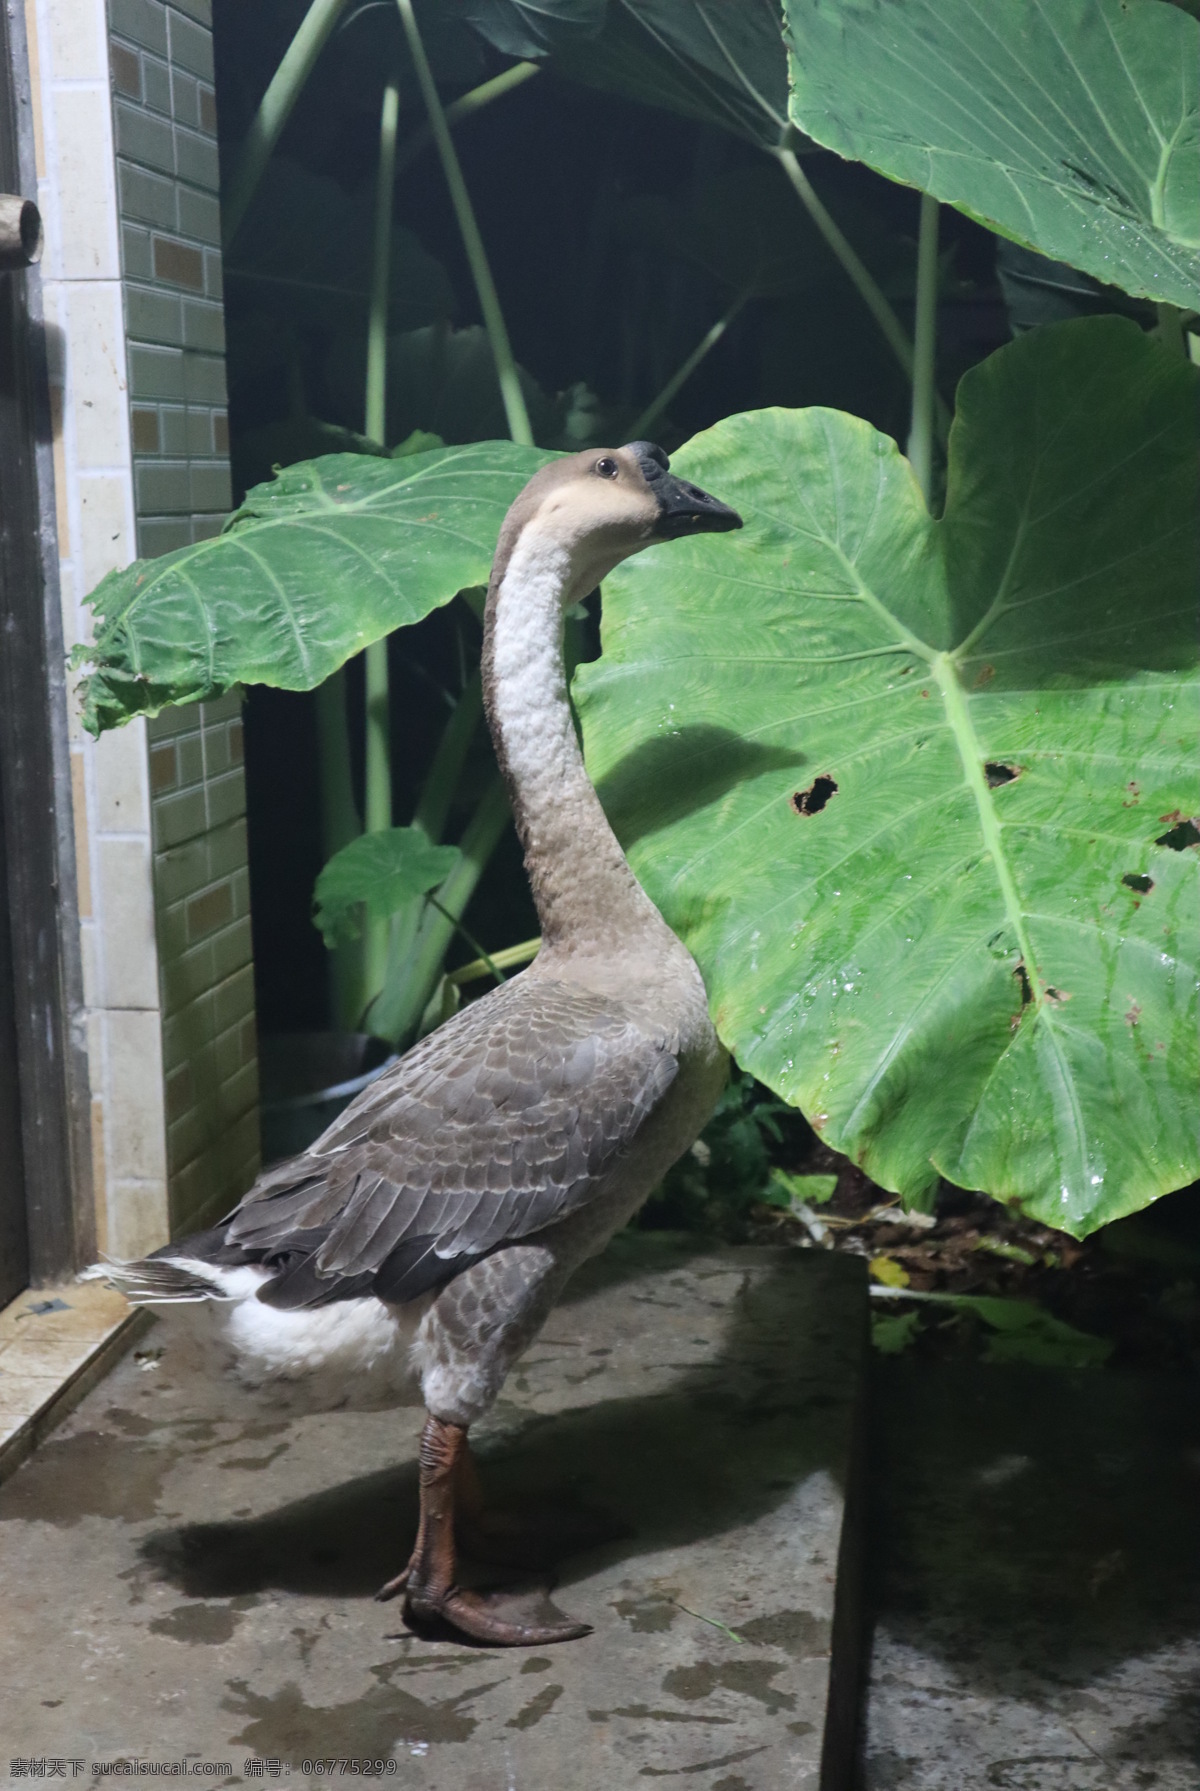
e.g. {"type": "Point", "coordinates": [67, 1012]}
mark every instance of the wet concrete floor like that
{"type": "Point", "coordinates": [1036, 1580]}
{"type": "Point", "coordinates": [188, 1567]}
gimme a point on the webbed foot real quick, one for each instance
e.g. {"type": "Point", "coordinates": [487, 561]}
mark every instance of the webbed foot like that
{"type": "Point", "coordinates": [431, 1594]}
{"type": "Point", "coordinates": [477, 1615]}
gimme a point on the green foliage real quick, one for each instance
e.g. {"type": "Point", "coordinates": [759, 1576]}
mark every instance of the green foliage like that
{"type": "Point", "coordinates": [904, 785]}
{"type": "Point", "coordinates": [328, 557]}
{"type": "Point", "coordinates": [728, 1169]}
{"type": "Point", "coordinates": [1072, 127]}
{"type": "Point", "coordinates": [1018, 1331]}
{"type": "Point", "coordinates": [892, 1333]}
{"type": "Point", "coordinates": [374, 875]}
{"type": "Point", "coordinates": [789, 1191]}
{"type": "Point", "coordinates": [724, 66]}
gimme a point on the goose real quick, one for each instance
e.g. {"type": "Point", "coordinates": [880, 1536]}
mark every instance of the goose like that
{"type": "Point", "coordinates": [440, 1215]}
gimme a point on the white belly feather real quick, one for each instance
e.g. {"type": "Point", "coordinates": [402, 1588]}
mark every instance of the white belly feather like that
{"type": "Point", "coordinates": [351, 1354]}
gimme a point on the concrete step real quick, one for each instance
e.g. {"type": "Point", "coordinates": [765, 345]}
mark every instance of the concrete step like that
{"type": "Point", "coordinates": [188, 1566]}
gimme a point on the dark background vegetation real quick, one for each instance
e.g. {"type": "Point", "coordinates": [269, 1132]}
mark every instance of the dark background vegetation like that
{"type": "Point", "coordinates": [592, 292]}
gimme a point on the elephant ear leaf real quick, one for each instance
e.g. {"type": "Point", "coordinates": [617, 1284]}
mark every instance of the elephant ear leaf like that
{"type": "Point", "coordinates": [375, 875]}
{"type": "Point", "coordinates": [1074, 128]}
{"type": "Point", "coordinates": [327, 557]}
{"type": "Point", "coordinates": [921, 795]}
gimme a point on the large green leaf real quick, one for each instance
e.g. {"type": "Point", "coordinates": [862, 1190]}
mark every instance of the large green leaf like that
{"type": "Point", "coordinates": [722, 63]}
{"type": "Point", "coordinates": [376, 874]}
{"type": "Point", "coordinates": [904, 785]}
{"type": "Point", "coordinates": [331, 555]}
{"type": "Point", "coordinates": [1073, 127]}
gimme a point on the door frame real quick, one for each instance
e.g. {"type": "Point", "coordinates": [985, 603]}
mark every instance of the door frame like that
{"type": "Point", "coordinates": [35, 765]}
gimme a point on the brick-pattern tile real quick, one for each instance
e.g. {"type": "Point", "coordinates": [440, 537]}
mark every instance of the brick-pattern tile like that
{"type": "Point", "coordinates": [165, 128]}
{"type": "Point", "coordinates": [202, 893]}
{"type": "Point", "coordinates": [165, 131]}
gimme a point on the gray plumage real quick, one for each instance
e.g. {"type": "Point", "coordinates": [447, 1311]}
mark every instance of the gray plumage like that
{"type": "Point", "coordinates": [492, 1128]}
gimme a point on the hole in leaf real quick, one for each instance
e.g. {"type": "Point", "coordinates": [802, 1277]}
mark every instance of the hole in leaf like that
{"type": "Point", "coordinates": [1022, 976]}
{"type": "Point", "coordinates": [1057, 996]}
{"type": "Point", "coordinates": [1000, 774]}
{"type": "Point", "coordinates": [1143, 885]}
{"type": "Point", "coordinates": [813, 800]}
{"type": "Point", "coordinates": [1184, 834]}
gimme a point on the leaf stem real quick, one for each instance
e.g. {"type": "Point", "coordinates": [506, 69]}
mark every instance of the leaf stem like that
{"type": "Point", "coordinates": [378, 777]}
{"type": "Point", "coordinates": [466, 105]}
{"type": "Point", "coordinates": [481, 273]}
{"type": "Point", "coordinates": [397, 1010]}
{"type": "Point", "coordinates": [378, 803]}
{"type": "Point", "coordinates": [433, 805]}
{"type": "Point", "coordinates": [864, 284]}
{"type": "Point", "coordinates": [339, 825]}
{"type": "Point", "coordinates": [686, 368]}
{"type": "Point", "coordinates": [376, 399]}
{"type": "Point", "coordinates": [483, 958]}
{"type": "Point", "coordinates": [508, 959]}
{"type": "Point", "coordinates": [920, 434]}
{"type": "Point", "coordinates": [275, 108]}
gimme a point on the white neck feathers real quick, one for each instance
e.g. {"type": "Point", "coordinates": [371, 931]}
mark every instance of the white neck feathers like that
{"type": "Point", "coordinates": [585, 892]}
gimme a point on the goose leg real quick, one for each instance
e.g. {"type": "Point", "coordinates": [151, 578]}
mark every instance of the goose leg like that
{"type": "Point", "coordinates": [428, 1580]}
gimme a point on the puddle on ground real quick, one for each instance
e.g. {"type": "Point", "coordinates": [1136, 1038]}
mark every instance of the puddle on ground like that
{"type": "Point", "coordinates": [208, 1623]}
{"type": "Point", "coordinates": [284, 1725]}
{"type": "Point", "coordinates": [748, 1678]}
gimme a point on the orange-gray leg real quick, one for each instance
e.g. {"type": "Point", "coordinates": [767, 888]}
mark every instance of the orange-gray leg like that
{"type": "Point", "coordinates": [428, 1581]}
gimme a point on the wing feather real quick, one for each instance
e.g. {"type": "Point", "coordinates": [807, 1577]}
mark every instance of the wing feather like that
{"type": "Point", "coordinates": [490, 1129]}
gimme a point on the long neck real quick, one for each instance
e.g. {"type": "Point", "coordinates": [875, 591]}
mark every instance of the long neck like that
{"type": "Point", "coordinates": [586, 895]}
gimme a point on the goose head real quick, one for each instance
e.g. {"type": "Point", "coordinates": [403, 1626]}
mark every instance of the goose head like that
{"type": "Point", "coordinates": [605, 504]}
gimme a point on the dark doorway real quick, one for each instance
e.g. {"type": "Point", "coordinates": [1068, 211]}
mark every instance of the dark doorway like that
{"type": "Point", "coordinates": [14, 452]}
{"type": "Point", "coordinates": [14, 1230]}
{"type": "Point", "coordinates": [45, 1215]}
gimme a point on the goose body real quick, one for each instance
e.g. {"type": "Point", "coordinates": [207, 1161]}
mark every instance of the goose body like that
{"type": "Point", "coordinates": [431, 1228]}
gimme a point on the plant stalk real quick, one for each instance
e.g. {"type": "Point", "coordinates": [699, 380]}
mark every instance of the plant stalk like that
{"type": "Point", "coordinates": [376, 405]}
{"type": "Point", "coordinates": [396, 1012]}
{"type": "Point", "coordinates": [924, 388]}
{"type": "Point", "coordinates": [864, 284]}
{"type": "Point", "coordinates": [481, 273]}
{"type": "Point", "coordinates": [433, 805]}
{"type": "Point", "coordinates": [508, 959]}
{"type": "Point", "coordinates": [686, 368]}
{"type": "Point", "coordinates": [378, 775]}
{"type": "Point", "coordinates": [275, 109]}
{"type": "Point", "coordinates": [466, 105]}
{"type": "Point", "coordinates": [490, 965]}
{"type": "Point", "coordinates": [378, 804]}
{"type": "Point", "coordinates": [339, 825]}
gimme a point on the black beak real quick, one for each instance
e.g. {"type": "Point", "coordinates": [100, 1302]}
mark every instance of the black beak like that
{"type": "Point", "coordinates": [683, 509]}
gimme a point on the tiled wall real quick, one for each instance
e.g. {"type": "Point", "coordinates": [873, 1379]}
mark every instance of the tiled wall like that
{"type": "Point", "coordinates": [122, 128]}
{"type": "Point", "coordinates": [202, 891]}
{"type": "Point", "coordinates": [165, 128]}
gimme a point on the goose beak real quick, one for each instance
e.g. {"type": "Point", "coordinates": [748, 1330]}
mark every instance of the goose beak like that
{"type": "Point", "coordinates": [683, 509]}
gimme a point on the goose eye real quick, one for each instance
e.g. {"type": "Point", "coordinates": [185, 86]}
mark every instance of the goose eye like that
{"type": "Point", "coordinates": [607, 468]}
